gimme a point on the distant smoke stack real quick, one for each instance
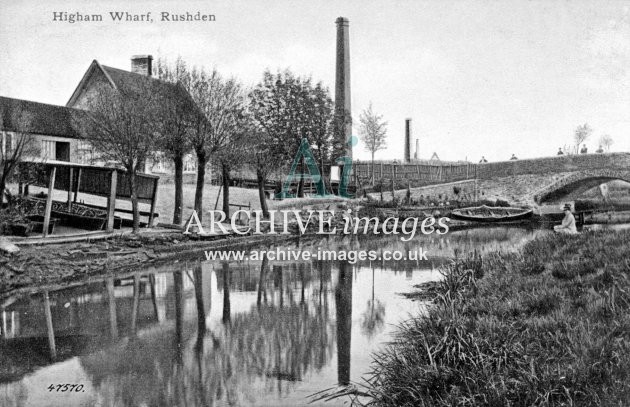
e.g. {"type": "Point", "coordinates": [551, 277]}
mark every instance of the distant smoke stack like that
{"type": "Point", "coordinates": [343, 107]}
{"type": "Point", "coordinates": [142, 64]}
{"type": "Point", "coordinates": [417, 153]}
{"type": "Point", "coordinates": [407, 140]}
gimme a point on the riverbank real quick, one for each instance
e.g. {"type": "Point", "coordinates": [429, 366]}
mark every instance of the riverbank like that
{"type": "Point", "coordinates": [547, 326]}
{"type": "Point", "coordinates": [64, 263]}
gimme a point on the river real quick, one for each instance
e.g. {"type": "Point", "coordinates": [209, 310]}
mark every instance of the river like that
{"type": "Point", "coordinates": [214, 333]}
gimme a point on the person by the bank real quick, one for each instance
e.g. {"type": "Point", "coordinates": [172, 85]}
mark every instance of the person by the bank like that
{"type": "Point", "coordinates": [568, 222]}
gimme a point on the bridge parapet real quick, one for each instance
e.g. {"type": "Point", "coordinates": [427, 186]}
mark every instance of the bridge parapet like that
{"type": "Point", "coordinates": [557, 164]}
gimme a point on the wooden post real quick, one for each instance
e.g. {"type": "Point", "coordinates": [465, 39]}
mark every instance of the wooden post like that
{"type": "Point", "coordinates": [136, 301]}
{"type": "Point", "coordinates": [49, 327]}
{"type": "Point", "coordinates": [153, 199]}
{"type": "Point", "coordinates": [476, 191]}
{"type": "Point", "coordinates": [111, 200]}
{"type": "Point", "coordinates": [76, 189]}
{"type": "Point", "coordinates": [113, 323]}
{"type": "Point", "coordinates": [70, 174]}
{"type": "Point", "coordinates": [153, 297]}
{"type": "Point", "coordinates": [20, 188]}
{"type": "Point", "coordinates": [216, 203]}
{"type": "Point", "coordinates": [49, 199]}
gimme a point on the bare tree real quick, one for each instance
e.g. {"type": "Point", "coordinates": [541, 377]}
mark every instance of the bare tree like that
{"type": "Point", "coordinates": [582, 133]}
{"type": "Point", "coordinates": [222, 107]}
{"type": "Point", "coordinates": [606, 141]}
{"type": "Point", "coordinates": [233, 155]}
{"type": "Point", "coordinates": [177, 112]}
{"type": "Point", "coordinates": [16, 142]}
{"type": "Point", "coordinates": [372, 130]}
{"type": "Point", "coordinates": [124, 126]}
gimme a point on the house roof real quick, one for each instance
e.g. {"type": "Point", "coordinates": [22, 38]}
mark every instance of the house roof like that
{"type": "Point", "coordinates": [36, 118]}
{"type": "Point", "coordinates": [128, 82]}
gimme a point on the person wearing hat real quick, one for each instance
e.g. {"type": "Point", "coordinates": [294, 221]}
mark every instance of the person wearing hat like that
{"type": "Point", "coordinates": [568, 222]}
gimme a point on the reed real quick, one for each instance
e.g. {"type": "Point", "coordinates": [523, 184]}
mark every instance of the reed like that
{"type": "Point", "coordinates": [547, 326]}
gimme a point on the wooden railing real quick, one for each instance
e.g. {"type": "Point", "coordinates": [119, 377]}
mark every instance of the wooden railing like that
{"type": "Point", "coordinates": [428, 173]}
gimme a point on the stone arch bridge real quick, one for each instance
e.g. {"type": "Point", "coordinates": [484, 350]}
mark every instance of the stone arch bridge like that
{"type": "Point", "coordinates": [551, 180]}
{"type": "Point", "coordinates": [533, 182]}
{"type": "Point", "coordinates": [576, 183]}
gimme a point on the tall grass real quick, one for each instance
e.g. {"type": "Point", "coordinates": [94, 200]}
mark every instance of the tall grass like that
{"type": "Point", "coordinates": [549, 326]}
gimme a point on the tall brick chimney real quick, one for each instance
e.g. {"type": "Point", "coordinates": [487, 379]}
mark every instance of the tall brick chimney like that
{"type": "Point", "coordinates": [407, 140]}
{"type": "Point", "coordinates": [417, 153]}
{"type": "Point", "coordinates": [342, 87]}
{"type": "Point", "coordinates": [142, 64]}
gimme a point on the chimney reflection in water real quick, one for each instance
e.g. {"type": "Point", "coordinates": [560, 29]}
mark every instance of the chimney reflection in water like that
{"type": "Point", "coordinates": [343, 305]}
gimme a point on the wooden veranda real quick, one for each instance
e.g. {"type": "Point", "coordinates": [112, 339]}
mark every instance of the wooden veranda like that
{"type": "Point", "coordinates": [109, 182]}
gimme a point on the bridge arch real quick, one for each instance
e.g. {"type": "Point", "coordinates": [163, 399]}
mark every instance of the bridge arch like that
{"type": "Point", "coordinates": [579, 182]}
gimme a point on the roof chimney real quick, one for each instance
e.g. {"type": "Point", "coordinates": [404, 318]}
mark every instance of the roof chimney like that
{"type": "Point", "coordinates": [142, 64]}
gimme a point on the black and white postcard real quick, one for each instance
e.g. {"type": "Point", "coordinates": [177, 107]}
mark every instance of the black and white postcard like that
{"type": "Point", "coordinates": [314, 203]}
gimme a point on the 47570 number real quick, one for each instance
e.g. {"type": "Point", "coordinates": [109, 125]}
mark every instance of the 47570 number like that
{"type": "Point", "coordinates": [66, 387]}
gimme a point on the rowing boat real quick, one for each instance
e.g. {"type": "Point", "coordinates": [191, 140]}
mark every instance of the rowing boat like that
{"type": "Point", "coordinates": [491, 213]}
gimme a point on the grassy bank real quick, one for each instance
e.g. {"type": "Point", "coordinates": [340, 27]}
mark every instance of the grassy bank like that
{"type": "Point", "coordinates": [547, 326]}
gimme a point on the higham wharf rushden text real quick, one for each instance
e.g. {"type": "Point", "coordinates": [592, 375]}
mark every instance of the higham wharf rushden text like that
{"type": "Point", "coordinates": [127, 17]}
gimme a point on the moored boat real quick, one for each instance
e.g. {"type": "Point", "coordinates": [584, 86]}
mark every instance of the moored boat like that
{"type": "Point", "coordinates": [491, 213]}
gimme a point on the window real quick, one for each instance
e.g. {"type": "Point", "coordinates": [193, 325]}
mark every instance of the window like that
{"type": "Point", "coordinates": [48, 149]}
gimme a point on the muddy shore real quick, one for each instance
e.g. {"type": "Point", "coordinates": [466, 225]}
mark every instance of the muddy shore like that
{"type": "Point", "coordinates": [37, 266]}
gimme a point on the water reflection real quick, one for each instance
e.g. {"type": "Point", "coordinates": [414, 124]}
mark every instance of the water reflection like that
{"type": "Point", "coordinates": [373, 318]}
{"type": "Point", "coordinates": [343, 305]}
{"type": "Point", "coordinates": [248, 333]}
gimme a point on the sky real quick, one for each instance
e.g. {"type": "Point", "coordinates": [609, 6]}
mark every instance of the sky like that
{"type": "Point", "coordinates": [476, 77]}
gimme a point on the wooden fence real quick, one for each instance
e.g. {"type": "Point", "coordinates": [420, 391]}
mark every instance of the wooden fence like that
{"type": "Point", "coordinates": [427, 173]}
